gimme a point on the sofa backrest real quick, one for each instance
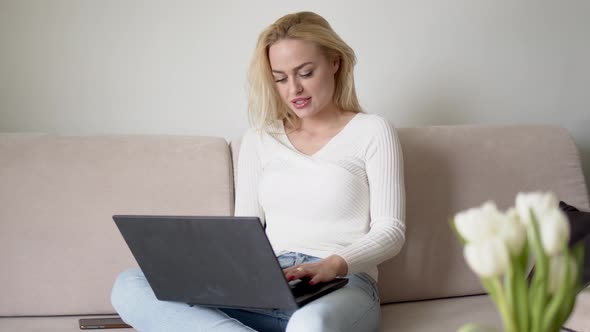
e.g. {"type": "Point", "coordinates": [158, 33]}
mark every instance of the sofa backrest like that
{"type": "Point", "coordinates": [452, 168]}
{"type": "Point", "coordinates": [60, 251]}
{"type": "Point", "coordinates": [59, 248]}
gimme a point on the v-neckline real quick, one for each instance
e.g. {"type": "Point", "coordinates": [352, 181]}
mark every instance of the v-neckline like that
{"type": "Point", "coordinates": [323, 147]}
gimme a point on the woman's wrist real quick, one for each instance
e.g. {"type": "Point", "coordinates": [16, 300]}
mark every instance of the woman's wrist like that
{"type": "Point", "coordinates": [338, 264]}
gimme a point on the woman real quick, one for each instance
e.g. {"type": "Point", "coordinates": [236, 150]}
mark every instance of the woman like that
{"type": "Point", "coordinates": [324, 178]}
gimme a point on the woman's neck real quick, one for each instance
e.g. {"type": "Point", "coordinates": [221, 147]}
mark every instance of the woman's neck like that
{"type": "Point", "coordinates": [325, 120]}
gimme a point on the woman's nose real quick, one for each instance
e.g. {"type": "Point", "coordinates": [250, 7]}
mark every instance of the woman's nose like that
{"type": "Point", "coordinates": [296, 87]}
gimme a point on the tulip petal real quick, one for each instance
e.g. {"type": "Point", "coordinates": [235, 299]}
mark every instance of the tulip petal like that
{"type": "Point", "coordinates": [488, 258]}
{"type": "Point", "coordinates": [555, 231]}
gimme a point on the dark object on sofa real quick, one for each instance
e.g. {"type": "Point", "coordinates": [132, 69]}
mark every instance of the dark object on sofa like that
{"type": "Point", "coordinates": [580, 231]}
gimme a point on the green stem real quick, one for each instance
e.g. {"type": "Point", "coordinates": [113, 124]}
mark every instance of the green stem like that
{"type": "Point", "coordinates": [549, 320]}
{"type": "Point", "coordinates": [516, 292]}
{"type": "Point", "coordinates": [540, 279]}
{"type": "Point", "coordinates": [502, 304]}
{"type": "Point", "coordinates": [521, 297]}
{"type": "Point", "coordinates": [509, 288]}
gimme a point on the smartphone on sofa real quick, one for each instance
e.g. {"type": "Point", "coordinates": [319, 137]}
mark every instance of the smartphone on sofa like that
{"type": "Point", "coordinates": [102, 323]}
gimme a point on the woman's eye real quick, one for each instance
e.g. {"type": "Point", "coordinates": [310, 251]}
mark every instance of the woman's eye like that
{"type": "Point", "coordinates": [308, 74]}
{"type": "Point", "coordinates": [281, 80]}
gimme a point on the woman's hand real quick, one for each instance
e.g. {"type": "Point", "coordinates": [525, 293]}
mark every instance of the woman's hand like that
{"type": "Point", "coordinates": [324, 270]}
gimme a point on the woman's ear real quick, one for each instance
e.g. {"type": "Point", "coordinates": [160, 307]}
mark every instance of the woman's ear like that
{"type": "Point", "coordinates": [335, 64]}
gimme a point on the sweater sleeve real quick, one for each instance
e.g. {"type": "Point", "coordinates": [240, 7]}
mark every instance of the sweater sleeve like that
{"type": "Point", "coordinates": [384, 168]}
{"type": "Point", "coordinates": [248, 175]}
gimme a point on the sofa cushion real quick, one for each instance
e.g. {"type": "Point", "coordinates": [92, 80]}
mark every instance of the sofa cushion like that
{"type": "Point", "coordinates": [59, 248]}
{"type": "Point", "coordinates": [440, 315]}
{"type": "Point", "coordinates": [48, 324]}
{"type": "Point", "coordinates": [419, 316]}
{"type": "Point", "coordinates": [451, 168]}
{"type": "Point", "coordinates": [579, 320]}
{"type": "Point", "coordinates": [450, 314]}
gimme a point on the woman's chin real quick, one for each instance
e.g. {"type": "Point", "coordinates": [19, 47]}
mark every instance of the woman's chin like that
{"type": "Point", "coordinates": [303, 113]}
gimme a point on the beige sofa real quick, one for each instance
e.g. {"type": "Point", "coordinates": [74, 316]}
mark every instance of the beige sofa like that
{"type": "Point", "coordinates": [60, 251]}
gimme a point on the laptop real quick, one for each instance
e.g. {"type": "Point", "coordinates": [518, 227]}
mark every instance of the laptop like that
{"type": "Point", "coordinates": [224, 262]}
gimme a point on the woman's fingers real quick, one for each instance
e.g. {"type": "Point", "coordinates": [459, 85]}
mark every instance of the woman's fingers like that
{"type": "Point", "coordinates": [317, 272]}
{"type": "Point", "coordinates": [321, 271]}
{"type": "Point", "coordinates": [299, 271]}
{"type": "Point", "coordinates": [316, 279]}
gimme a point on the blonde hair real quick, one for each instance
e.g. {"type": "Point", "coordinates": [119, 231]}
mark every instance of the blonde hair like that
{"type": "Point", "coordinates": [265, 106]}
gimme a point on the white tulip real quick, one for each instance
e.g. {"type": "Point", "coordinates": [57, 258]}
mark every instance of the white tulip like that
{"type": "Point", "coordinates": [494, 240]}
{"type": "Point", "coordinates": [555, 231]}
{"type": "Point", "coordinates": [553, 225]}
{"type": "Point", "coordinates": [488, 258]}
{"type": "Point", "coordinates": [480, 224]}
{"type": "Point", "coordinates": [475, 224]}
{"type": "Point", "coordinates": [513, 232]}
{"type": "Point", "coordinates": [539, 202]}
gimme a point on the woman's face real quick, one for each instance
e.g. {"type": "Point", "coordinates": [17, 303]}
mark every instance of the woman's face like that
{"type": "Point", "coordinates": [304, 76]}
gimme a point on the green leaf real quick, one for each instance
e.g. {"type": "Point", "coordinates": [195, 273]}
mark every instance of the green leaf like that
{"type": "Point", "coordinates": [550, 317]}
{"type": "Point", "coordinates": [524, 256]}
{"type": "Point", "coordinates": [577, 255]}
{"type": "Point", "coordinates": [521, 298]}
{"type": "Point", "coordinates": [502, 305]}
{"type": "Point", "coordinates": [487, 284]}
{"type": "Point", "coordinates": [509, 285]}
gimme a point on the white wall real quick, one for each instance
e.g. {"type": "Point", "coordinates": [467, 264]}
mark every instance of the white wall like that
{"type": "Point", "coordinates": [178, 67]}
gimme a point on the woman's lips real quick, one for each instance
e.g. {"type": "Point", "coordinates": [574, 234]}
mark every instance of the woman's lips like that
{"type": "Point", "coordinates": [301, 102]}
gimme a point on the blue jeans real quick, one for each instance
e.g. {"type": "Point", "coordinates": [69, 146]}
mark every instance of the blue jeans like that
{"type": "Point", "coordinates": [355, 307]}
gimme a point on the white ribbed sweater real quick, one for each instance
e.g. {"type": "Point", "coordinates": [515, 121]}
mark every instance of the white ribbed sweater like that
{"type": "Point", "coordinates": [346, 199]}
